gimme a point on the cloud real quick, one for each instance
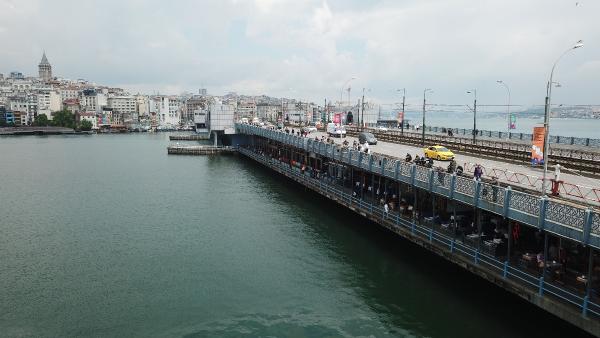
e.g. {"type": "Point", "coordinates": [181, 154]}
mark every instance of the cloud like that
{"type": "Point", "coordinates": [313, 46]}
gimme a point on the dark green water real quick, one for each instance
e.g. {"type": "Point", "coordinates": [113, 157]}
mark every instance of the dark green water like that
{"type": "Point", "coordinates": [108, 236]}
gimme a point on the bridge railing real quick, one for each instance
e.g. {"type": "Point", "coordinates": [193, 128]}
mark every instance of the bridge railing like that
{"type": "Point", "coordinates": [569, 140]}
{"type": "Point", "coordinates": [566, 220]}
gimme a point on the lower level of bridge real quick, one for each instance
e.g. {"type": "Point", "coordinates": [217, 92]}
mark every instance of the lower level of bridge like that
{"type": "Point", "coordinates": [558, 274]}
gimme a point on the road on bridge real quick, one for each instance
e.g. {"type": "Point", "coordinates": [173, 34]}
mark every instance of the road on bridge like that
{"type": "Point", "coordinates": [400, 151]}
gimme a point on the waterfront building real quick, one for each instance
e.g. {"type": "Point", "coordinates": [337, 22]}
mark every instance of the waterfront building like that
{"type": "Point", "coordinates": [45, 69]}
{"type": "Point", "coordinates": [168, 110]}
{"type": "Point", "coordinates": [221, 118]}
{"type": "Point", "coordinates": [192, 105]}
{"type": "Point", "coordinates": [20, 118]}
{"type": "Point", "coordinates": [48, 102]}
{"type": "Point", "coordinates": [142, 106]}
{"type": "Point", "coordinates": [92, 101]}
{"type": "Point", "coordinates": [91, 117]}
{"type": "Point", "coordinates": [71, 105]}
{"type": "Point", "coordinates": [124, 106]}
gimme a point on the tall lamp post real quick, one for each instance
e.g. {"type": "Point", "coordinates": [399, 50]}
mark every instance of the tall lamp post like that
{"type": "Point", "coordinates": [403, 102]}
{"type": "Point", "coordinates": [342, 90]}
{"type": "Point", "coordinates": [579, 44]}
{"type": "Point", "coordinates": [508, 125]}
{"type": "Point", "coordinates": [474, 92]}
{"type": "Point", "coordinates": [423, 126]}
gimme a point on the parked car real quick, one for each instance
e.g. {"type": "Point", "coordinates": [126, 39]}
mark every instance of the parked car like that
{"type": "Point", "coordinates": [334, 130]}
{"type": "Point", "coordinates": [309, 129]}
{"type": "Point", "coordinates": [367, 137]}
{"type": "Point", "coordinates": [381, 128]}
{"type": "Point", "coordinates": [438, 152]}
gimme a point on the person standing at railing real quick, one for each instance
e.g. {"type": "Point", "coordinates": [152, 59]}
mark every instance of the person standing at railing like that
{"type": "Point", "coordinates": [556, 182]}
{"type": "Point", "coordinates": [478, 172]}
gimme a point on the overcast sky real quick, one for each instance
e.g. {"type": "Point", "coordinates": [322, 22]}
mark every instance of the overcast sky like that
{"type": "Point", "coordinates": [308, 49]}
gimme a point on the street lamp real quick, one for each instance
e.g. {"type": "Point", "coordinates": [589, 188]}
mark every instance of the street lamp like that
{"type": "Point", "coordinates": [403, 102]}
{"type": "Point", "coordinates": [579, 44]}
{"type": "Point", "coordinates": [362, 118]}
{"type": "Point", "coordinates": [342, 90]}
{"type": "Point", "coordinates": [474, 92]}
{"type": "Point", "coordinates": [507, 107]}
{"type": "Point", "coordinates": [423, 126]}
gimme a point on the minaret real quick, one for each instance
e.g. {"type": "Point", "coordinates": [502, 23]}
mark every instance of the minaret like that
{"type": "Point", "coordinates": [45, 69]}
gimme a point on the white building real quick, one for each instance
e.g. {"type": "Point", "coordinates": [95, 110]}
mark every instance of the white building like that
{"type": "Point", "coordinates": [168, 110]}
{"type": "Point", "coordinates": [48, 102]}
{"type": "Point", "coordinates": [142, 106]}
{"type": "Point", "coordinates": [221, 117]}
{"type": "Point", "coordinates": [125, 106]}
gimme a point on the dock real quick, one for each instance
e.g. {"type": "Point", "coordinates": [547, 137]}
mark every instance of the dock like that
{"type": "Point", "coordinates": [199, 150]}
{"type": "Point", "coordinates": [190, 137]}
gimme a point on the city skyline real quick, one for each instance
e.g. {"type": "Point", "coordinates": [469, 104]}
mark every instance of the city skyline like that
{"type": "Point", "coordinates": [259, 48]}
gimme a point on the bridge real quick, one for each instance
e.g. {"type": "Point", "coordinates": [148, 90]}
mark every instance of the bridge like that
{"type": "Point", "coordinates": [540, 248]}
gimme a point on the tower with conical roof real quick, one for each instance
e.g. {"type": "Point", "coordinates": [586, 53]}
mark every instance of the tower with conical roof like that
{"type": "Point", "coordinates": [45, 69]}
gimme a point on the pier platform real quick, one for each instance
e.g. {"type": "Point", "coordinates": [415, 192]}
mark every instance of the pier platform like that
{"type": "Point", "coordinates": [190, 137]}
{"type": "Point", "coordinates": [199, 150]}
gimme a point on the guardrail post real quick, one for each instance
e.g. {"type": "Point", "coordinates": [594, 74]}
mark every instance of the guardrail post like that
{"type": "Point", "coordinates": [541, 286]}
{"type": "Point", "coordinates": [506, 207]}
{"type": "Point", "coordinates": [452, 246]}
{"type": "Point", "coordinates": [542, 217]}
{"type": "Point", "coordinates": [430, 178]}
{"type": "Point", "coordinates": [587, 226]}
{"type": "Point", "coordinates": [397, 170]}
{"type": "Point", "coordinates": [413, 173]}
{"type": "Point", "coordinates": [371, 163]}
{"type": "Point", "coordinates": [383, 162]}
{"type": "Point", "coordinates": [476, 256]}
{"type": "Point", "coordinates": [477, 194]}
{"type": "Point", "coordinates": [452, 185]}
{"type": "Point", "coordinates": [584, 307]}
{"type": "Point", "coordinates": [505, 270]}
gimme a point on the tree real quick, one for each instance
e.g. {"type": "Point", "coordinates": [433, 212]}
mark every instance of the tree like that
{"type": "Point", "coordinates": [41, 120]}
{"type": "Point", "coordinates": [85, 125]}
{"type": "Point", "coordinates": [63, 118]}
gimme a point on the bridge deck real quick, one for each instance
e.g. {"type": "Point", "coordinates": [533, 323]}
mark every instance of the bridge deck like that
{"type": "Point", "coordinates": [530, 183]}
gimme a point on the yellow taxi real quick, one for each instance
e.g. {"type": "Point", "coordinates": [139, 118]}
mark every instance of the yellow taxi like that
{"type": "Point", "coordinates": [438, 153]}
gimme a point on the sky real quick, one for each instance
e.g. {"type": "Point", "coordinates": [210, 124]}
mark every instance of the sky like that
{"type": "Point", "coordinates": [310, 49]}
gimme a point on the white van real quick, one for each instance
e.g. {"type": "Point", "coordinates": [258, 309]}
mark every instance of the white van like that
{"type": "Point", "coordinates": [334, 130]}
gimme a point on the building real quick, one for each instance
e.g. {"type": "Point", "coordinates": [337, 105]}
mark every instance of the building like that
{"type": "Point", "coordinates": [167, 109]}
{"type": "Point", "coordinates": [16, 75]}
{"type": "Point", "coordinates": [221, 118]}
{"type": "Point", "coordinates": [142, 107]}
{"type": "Point", "coordinates": [267, 111]}
{"type": "Point", "coordinates": [191, 106]}
{"type": "Point", "coordinates": [48, 102]}
{"type": "Point", "coordinates": [91, 100]}
{"type": "Point", "coordinates": [124, 106]}
{"type": "Point", "coordinates": [45, 69]}
{"type": "Point", "coordinates": [87, 117]}
{"type": "Point", "coordinates": [71, 105]}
